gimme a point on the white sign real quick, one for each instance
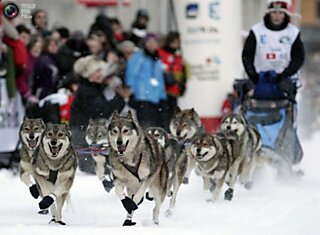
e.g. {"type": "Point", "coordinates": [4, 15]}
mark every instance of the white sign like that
{"type": "Point", "coordinates": [211, 45]}
{"type": "Point", "coordinates": [11, 117]}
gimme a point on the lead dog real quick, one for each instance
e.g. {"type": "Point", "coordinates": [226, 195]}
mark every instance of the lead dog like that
{"type": "Point", "coordinates": [55, 168]}
{"type": "Point", "coordinates": [137, 163]}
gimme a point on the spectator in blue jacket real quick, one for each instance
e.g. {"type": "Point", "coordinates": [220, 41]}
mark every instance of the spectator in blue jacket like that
{"type": "Point", "coordinates": [144, 75]}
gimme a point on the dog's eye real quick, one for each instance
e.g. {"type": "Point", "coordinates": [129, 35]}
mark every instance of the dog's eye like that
{"type": "Point", "coordinates": [60, 135]}
{"type": "Point", "coordinates": [100, 135]}
{"type": "Point", "coordinates": [184, 125]}
{"type": "Point", "coordinates": [125, 131]}
{"type": "Point", "coordinates": [50, 134]}
{"type": "Point", "coordinates": [36, 128]}
{"type": "Point", "coordinates": [27, 129]}
{"type": "Point", "coordinates": [114, 131]}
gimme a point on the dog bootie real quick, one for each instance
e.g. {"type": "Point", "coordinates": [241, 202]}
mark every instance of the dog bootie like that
{"type": "Point", "coordinates": [228, 195]}
{"type": "Point", "coordinates": [129, 204]}
{"type": "Point", "coordinates": [43, 212]}
{"type": "Point", "coordinates": [107, 184]}
{"type": "Point", "coordinates": [34, 191]}
{"type": "Point", "coordinates": [185, 180]}
{"type": "Point", "coordinates": [128, 222]}
{"type": "Point", "coordinates": [60, 222]}
{"type": "Point", "coordinates": [47, 201]}
{"type": "Point", "coordinates": [148, 197]}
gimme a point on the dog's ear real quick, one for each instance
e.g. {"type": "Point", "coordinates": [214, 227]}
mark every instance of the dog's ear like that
{"type": "Point", "coordinates": [115, 115]}
{"type": "Point", "coordinates": [25, 118]}
{"type": "Point", "coordinates": [217, 142]}
{"type": "Point", "coordinates": [177, 110]}
{"type": "Point", "coordinates": [66, 125]}
{"type": "Point", "coordinates": [195, 117]}
{"type": "Point", "coordinates": [90, 121]}
{"type": "Point", "coordinates": [243, 120]}
{"type": "Point", "coordinates": [42, 123]}
{"type": "Point", "coordinates": [129, 115]}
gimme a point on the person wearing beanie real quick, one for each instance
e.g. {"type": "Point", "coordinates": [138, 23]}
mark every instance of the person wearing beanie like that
{"type": "Point", "coordinates": [90, 103]}
{"type": "Point", "coordinates": [274, 48]}
{"type": "Point", "coordinates": [144, 75]}
{"type": "Point", "coordinates": [139, 28]}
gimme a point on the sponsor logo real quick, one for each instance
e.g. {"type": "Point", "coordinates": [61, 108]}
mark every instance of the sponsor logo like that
{"type": "Point", "coordinates": [214, 10]}
{"type": "Point", "coordinates": [285, 40]}
{"type": "Point", "coordinates": [214, 60]}
{"type": "Point", "coordinates": [192, 10]}
{"type": "Point", "coordinates": [271, 56]}
{"type": "Point", "coordinates": [263, 39]}
{"type": "Point", "coordinates": [201, 29]}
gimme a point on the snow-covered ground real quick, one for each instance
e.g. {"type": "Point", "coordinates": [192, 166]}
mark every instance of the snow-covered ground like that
{"type": "Point", "coordinates": [271, 207]}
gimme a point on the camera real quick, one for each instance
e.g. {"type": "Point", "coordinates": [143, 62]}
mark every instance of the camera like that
{"type": "Point", "coordinates": [10, 10]}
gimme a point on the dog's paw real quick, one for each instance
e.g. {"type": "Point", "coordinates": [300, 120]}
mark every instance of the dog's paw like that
{"type": "Point", "coordinates": [228, 195]}
{"type": "Point", "coordinates": [168, 213]}
{"type": "Point", "coordinates": [248, 185]}
{"type": "Point", "coordinates": [43, 212]}
{"type": "Point", "coordinates": [52, 221]}
{"type": "Point", "coordinates": [211, 200]}
{"type": "Point", "coordinates": [47, 201]}
{"type": "Point", "coordinates": [129, 205]}
{"type": "Point", "coordinates": [185, 180]}
{"type": "Point", "coordinates": [148, 197]}
{"type": "Point", "coordinates": [34, 191]}
{"type": "Point", "coordinates": [128, 222]}
{"type": "Point", "coordinates": [156, 222]}
{"type": "Point", "coordinates": [108, 185]}
{"type": "Point", "coordinates": [212, 186]}
{"type": "Point", "coordinates": [60, 222]}
{"type": "Point", "coordinates": [169, 194]}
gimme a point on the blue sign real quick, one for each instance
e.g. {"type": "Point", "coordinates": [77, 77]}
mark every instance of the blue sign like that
{"type": "Point", "coordinates": [192, 10]}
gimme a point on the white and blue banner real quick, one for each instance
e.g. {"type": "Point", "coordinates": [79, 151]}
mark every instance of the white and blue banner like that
{"type": "Point", "coordinates": [211, 46]}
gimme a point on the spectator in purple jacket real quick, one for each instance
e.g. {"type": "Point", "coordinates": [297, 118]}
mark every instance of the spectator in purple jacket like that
{"type": "Point", "coordinates": [46, 74]}
{"type": "Point", "coordinates": [34, 50]}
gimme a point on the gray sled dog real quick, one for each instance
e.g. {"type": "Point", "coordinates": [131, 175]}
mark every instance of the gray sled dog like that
{"type": "Point", "coordinates": [96, 134]}
{"type": "Point", "coordinates": [250, 144]}
{"type": "Point", "coordinates": [30, 136]}
{"type": "Point", "coordinates": [214, 155]}
{"type": "Point", "coordinates": [176, 160]}
{"type": "Point", "coordinates": [55, 168]}
{"type": "Point", "coordinates": [185, 125]}
{"type": "Point", "coordinates": [137, 163]}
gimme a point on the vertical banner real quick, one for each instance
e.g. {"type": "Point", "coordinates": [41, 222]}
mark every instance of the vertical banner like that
{"type": "Point", "coordinates": [11, 117]}
{"type": "Point", "coordinates": [211, 46]}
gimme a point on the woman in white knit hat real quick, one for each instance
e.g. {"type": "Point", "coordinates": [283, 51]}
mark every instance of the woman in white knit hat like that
{"type": "Point", "coordinates": [90, 102]}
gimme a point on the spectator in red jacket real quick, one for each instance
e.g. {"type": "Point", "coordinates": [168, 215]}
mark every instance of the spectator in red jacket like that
{"type": "Point", "coordinates": [174, 72]}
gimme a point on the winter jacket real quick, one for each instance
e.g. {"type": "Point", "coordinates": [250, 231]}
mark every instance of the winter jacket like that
{"type": "Point", "coordinates": [90, 102]}
{"type": "Point", "coordinates": [23, 79]}
{"type": "Point", "coordinates": [45, 76]}
{"type": "Point", "coordinates": [145, 77]}
{"type": "Point", "coordinates": [174, 71]}
{"type": "Point", "coordinates": [249, 52]}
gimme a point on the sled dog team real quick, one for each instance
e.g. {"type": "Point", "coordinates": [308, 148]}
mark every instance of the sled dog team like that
{"type": "Point", "coordinates": [140, 163]}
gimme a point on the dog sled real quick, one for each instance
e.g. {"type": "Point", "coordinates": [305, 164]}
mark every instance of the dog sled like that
{"type": "Point", "coordinates": [275, 119]}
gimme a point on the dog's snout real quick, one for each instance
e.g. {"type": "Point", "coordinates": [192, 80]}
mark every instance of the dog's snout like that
{"type": "Point", "coordinates": [178, 133]}
{"type": "Point", "coordinates": [31, 136]}
{"type": "Point", "coordinates": [119, 142]}
{"type": "Point", "coordinates": [53, 142]}
{"type": "Point", "coordinates": [228, 127]}
{"type": "Point", "coordinates": [198, 150]}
